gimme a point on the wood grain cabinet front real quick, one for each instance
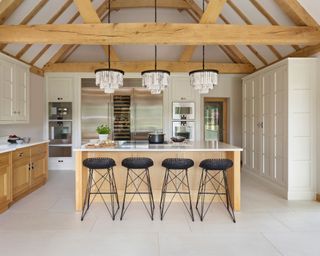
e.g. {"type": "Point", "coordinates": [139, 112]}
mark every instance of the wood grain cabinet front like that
{"type": "Point", "coordinates": [38, 164]}
{"type": "Point", "coordinates": [5, 181]}
{"type": "Point", "coordinates": [20, 172]}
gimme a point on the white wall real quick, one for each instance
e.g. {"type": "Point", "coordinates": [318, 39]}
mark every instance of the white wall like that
{"type": "Point", "coordinates": [230, 86]}
{"type": "Point", "coordinates": [34, 128]}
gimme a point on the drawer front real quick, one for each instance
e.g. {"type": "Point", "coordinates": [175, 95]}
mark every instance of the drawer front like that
{"type": "Point", "coordinates": [21, 154]}
{"type": "Point", "coordinates": [39, 149]}
{"type": "Point", "coordinates": [4, 159]}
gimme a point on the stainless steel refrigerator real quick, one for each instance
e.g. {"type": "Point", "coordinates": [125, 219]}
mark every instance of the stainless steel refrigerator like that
{"type": "Point", "coordinates": [131, 112]}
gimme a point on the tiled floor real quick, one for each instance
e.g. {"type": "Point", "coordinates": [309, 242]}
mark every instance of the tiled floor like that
{"type": "Point", "coordinates": [44, 223]}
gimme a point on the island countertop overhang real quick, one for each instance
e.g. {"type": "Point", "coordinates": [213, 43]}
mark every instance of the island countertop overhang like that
{"type": "Point", "coordinates": [141, 146]}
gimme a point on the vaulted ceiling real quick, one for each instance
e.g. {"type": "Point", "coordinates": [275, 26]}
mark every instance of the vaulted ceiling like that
{"type": "Point", "coordinates": [175, 57]}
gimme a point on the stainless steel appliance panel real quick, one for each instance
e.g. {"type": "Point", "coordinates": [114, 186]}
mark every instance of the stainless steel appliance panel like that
{"type": "Point", "coordinates": [146, 112]}
{"type": "Point", "coordinates": [96, 109]}
{"type": "Point", "coordinates": [184, 128]}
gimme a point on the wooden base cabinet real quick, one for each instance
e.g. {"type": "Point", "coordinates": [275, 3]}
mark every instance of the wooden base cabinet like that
{"type": "Point", "coordinates": [29, 169]}
{"type": "Point", "coordinates": [5, 181]}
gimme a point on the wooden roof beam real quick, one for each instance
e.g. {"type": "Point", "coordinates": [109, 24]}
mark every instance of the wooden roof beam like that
{"type": "Point", "coordinates": [268, 16]}
{"type": "Point", "coordinates": [30, 15]}
{"type": "Point", "coordinates": [161, 33]}
{"type": "Point", "coordinates": [139, 66]}
{"type": "Point", "coordinates": [51, 21]}
{"type": "Point", "coordinates": [209, 16]}
{"type": "Point", "coordinates": [247, 21]}
{"type": "Point", "coordinates": [90, 15]}
{"type": "Point", "coordinates": [296, 13]}
{"type": "Point", "coordinates": [7, 7]}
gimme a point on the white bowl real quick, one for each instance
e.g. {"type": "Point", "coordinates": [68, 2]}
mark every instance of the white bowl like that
{"type": "Point", "coordinates": [20, 141]}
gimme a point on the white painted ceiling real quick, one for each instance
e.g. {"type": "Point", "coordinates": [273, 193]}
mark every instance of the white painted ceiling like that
{"type": "Point", "coordinates": [138, 52]}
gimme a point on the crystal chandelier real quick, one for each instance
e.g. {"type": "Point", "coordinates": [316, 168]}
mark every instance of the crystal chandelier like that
{"type": "Point", "coordinates": [109, 79]}
{"type": "Point", "coordinates": [155, 80]}
{"type": "Point", "coordinates": [203, 79]}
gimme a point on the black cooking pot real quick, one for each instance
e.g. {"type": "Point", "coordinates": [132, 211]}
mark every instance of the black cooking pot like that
{"type": "Point", "coordinates": [156, 138]}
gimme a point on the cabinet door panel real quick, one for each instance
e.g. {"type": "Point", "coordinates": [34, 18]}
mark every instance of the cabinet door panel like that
{"type": "Point", "coordinates": [38, 169]}
{"type": "Point", "coordinates": [20, 179]}
{"type": "Point", "coordinates": [6, 92]}
{"type": "Point", "coordinates": [5, 180]}
{"type": "Point", "coordinates": [60, 89]}
{"type": "Point", "coordinates": [21, 101]}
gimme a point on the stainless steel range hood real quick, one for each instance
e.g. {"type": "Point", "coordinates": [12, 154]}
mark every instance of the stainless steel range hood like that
{"type": "Point", "coordinates": [131, 112]}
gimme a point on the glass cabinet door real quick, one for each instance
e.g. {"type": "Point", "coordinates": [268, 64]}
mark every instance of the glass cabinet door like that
{"type": "Point", "coordinates": [215, 119]}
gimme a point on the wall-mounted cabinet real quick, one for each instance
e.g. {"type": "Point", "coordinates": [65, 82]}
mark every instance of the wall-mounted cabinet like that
{"type": "Point", "coordinates": [60, 89]}
{"type": "Point", "coordinates": [279, 127]}
{"type": "Point", "coordinates": [14, 91]}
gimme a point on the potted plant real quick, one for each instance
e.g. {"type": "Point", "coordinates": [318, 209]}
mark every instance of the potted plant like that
{"type": "Point", "coordinates": [103, 130]}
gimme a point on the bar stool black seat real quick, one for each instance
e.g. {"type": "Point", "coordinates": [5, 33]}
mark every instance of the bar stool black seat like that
{"type": "Point", "coordinates": [138, 175]}
{"type": "Point", "coordinates": [177, 175]}
{"type": "Point", "coordinates": [211, 170]}
{"type": "Point", "coordinates": [100, 173]}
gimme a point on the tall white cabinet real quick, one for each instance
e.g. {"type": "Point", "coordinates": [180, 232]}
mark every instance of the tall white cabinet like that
{"type": "Point", "coordinates": [14, 91]}
{"type": "Point", "coordinates": [279, 126]}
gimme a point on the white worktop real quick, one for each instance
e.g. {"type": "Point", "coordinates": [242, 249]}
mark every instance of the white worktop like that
{"type": "Point", "coordinates": [12, 147]}
{"type": "Point", "coordinates": [145, 146]}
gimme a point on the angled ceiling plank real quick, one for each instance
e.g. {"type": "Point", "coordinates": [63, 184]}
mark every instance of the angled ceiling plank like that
{"type": "Point", "coordinates": [90, 15]}
{"type": "Point", "coordinates": [68, 54]}
{"type": "Point", "coordinates": [209, 16]}
{"type": "Point", "coordinates": [30, 15]}
{"type": "Point", "coordinates": [268, 16]}
{"type": "Point", "coordinates": [139, 66]}
{"type": "Point", "coordinates": [247, 21]}
{"type": "Point", "coordinates": [52, 20]}
{"type": "Point", "coordinates": [161, 33]}
{"type": "Point", "coordinates": [296, 12]}
{"type": "Point", "coordinates": [7, 7]}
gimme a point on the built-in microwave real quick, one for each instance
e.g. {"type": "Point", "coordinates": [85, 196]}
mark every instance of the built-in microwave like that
{"type": "Point", "coordinates": [183, 110]}
{"type": "Point", "coordinates": [184, 128]}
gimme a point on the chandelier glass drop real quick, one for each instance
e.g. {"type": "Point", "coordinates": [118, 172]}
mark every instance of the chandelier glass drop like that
{"type": "Point", "coordinates": [203, 79]}
{"type": "Point", "coordinates": [109, 79]}
{"type": "Point", "coordinates": [155, 80]}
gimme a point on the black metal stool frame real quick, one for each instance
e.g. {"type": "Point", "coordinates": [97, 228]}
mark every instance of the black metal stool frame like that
{"type": "Point", "coordinates": [207, 177]}
{"type": "Point", "coordinates": [141, 180]}
{"type": "Point", "coordinates": [170, 178]}
{"type": "Point", "coordinates": [108, 176]}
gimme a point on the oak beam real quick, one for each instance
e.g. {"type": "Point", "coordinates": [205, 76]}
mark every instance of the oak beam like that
{"type": "Point", "coordinates": [248, 22]}
{"type": "Point", "coordinates": [90, 15]}
{"type": "Point", "coordinates": [7, 7]}
{"type": "Point", "coordinates": [296, 12]}
{"type": "Point", "coordinates": [139, 66]}
{"type": "Point", "coordinates": [174, 4]}
{"type": "Point", "coordinates": [51, 21]}
{"type": "Point", "coordinates": [210, 16]}
{"type": "Point", "coordinates": [268, 16]}
{"type": "Point", "coordinates": [161, 33]}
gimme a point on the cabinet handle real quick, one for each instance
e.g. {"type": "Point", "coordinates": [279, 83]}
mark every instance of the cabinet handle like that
{"type": "Point", "coordinates": [32, 166]}
{"type": "Point", "coordinates": [60, 161]}
{"type": "Point", "coordinates": [21, 154]}
{"type": "Point", "coordinates": [14, 112]}
{"type": "Point", "coordinates": [29, 167]}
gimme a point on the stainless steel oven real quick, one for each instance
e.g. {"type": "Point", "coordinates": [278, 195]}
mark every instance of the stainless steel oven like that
{"type": "Point", "coordinates": [183, 110]}
{"type": "Point", "coordinates": [184, 128]}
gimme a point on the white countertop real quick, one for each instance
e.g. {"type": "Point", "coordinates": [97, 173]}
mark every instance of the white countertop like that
{"type": "Point", "coordinates": [12, 147]}
{"type": "Point", "coordinates": [145, 146]}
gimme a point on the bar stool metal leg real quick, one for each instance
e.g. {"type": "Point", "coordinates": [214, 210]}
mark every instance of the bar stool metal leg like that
{"type": "Point", "coordinates": [228, 198]}
{"type": "Point", "coordinates": [134, 177]}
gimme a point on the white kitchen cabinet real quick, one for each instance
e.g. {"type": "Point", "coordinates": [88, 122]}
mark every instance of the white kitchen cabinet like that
{"type": "Point", "coordinates": [60, 89]}
{"type": "Point", "coordinates": [14, 92]}
{"type": "Point", "coordinates": [279, 127]}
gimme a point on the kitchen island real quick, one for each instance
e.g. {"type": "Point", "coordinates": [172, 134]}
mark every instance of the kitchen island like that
{"type": "Point", "coordinates": [158, 152]}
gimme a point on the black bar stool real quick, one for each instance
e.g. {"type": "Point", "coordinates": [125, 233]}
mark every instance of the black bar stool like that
{"type": "Point", "coordinates": [100, 172]}
{"type": "Point", "coordinates": [217, 166]}
{"type": "Point", "coordinates": [177, 175]}
{"type": "Point", "coordinates": [137, 175]}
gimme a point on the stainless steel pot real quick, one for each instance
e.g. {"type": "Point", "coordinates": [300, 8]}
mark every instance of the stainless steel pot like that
{"type": "Point", "coordinates": [156, 138]}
